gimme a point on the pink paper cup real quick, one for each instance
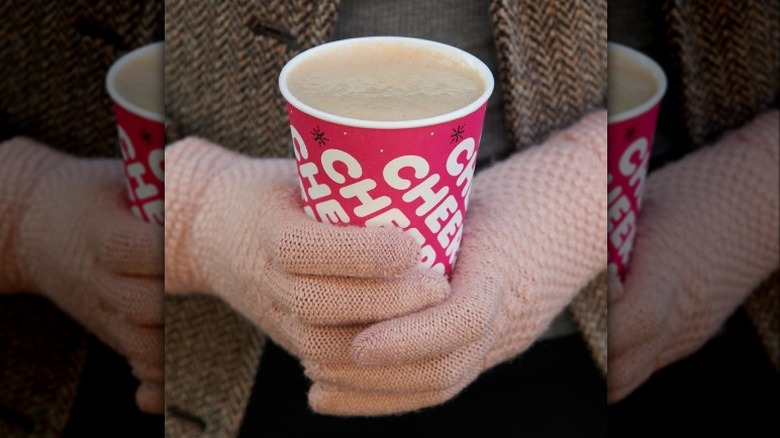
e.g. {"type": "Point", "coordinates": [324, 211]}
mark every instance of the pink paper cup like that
{"type": "Point", "coordinates": [415, 175]}
{"type": "Point", "coordinates": [630, 139]}
{"type": "Point", "coordinates": [141, 131]}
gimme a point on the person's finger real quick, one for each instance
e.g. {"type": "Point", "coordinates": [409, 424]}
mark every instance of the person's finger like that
{"type": "Point", "coordinates": [647, 298]}
{"type": "Point", "coordinates": [614, 288]}
{"type": "Point", "coordinates": [150, 398]}
{"type": "Point", "coordinates": [302, 245]}
{"type": "Point", "coordinates": [122, 242]}
{"type": "Point", "coordinates": [463, 318]}
{"type": "Point", "coordinates": [147, 372]}
{"type": "Point", "coordinates": [136, 343]}
{"type": "Point", "coordinates": [631, 368]}
{"type": "Point", "coordinates": [430, 374]}
{"type": "Point", "coordinates": [341, 300]}
{"type": "Point", "coordinates": [637, 318]}
{"type": "Point", "coordinates": [642, 305]}
{"type": "Point", "coordinates": [131, 247]}
{"type": "Point", "coordinates": [323, 344]}
{"type": "Point", "coordinates": [326, 344]}
{"type": "Point", "coordinates": [334, 400]}
{"type": "Point", "coordinates": [138, 299]}
{"type": "Point", "coordinates": [640, 313]}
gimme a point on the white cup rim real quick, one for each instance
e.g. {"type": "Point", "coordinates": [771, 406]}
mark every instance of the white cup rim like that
{"type": "Point", "coordinates": [471, 60]}
{"type": "Point", "coordinates": [111, 81]}
{"type": "Point", "coordinates": [650, 65]}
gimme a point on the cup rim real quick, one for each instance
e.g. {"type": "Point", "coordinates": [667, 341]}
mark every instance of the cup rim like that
{"type": "Point", "coordinates": [111, 79]}
{"type": "Point", "coordinates": [471, 60]}
{"type": "Point", "coordinates": [654, 68]}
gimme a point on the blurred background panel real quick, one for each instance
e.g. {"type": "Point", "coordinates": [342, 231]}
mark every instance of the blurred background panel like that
{"type": "Point", "coordinates": [722, 60]}
{"type": "Point", "coordinates": [56, 379]}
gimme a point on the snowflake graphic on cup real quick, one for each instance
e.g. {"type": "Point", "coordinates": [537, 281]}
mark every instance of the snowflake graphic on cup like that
{"type": "Point", "coordinates": [147, 137]}
{"type": "Point", "coordinates": [457, 133]}
{"type": "Point", "coordinates": [319, 136]}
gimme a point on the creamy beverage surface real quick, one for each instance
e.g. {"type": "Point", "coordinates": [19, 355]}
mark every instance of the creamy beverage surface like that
{"type": "Point", "coordinates": [630, 83]}
{"type": "Point", "coordinates": [140, 81]}
{"type": "Point", "coordinates": [385, 81]}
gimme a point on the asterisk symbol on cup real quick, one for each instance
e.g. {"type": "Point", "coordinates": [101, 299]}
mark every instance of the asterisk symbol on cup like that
{"type": "Point", "coordinates": [146, 136]}
{"type": "Point", "coordinates": [319, 136]}
{"type": "Point", "coordinates": [631, 133]}
{"type": "Point", "coordinates": [457, 133]}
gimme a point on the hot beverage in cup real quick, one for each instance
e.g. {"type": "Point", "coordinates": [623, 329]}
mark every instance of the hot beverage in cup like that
{"type": "Point", "coordinates": [384, 81]}
{"type": "Point", "coordinates": [140, 82]}
{"type": "Point", "coordinates": [632, 83]}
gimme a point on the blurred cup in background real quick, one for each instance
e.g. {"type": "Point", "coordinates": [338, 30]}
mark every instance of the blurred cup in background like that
{"type": "Point", "coordinates": [135, 84]}
{"type": "Point", "coordinates": [637, 85]}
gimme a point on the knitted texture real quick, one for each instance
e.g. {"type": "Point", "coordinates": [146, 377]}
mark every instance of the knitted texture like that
{"type": "Point", "coordinates": [237, 230]}
{"type": "Point", "coordinates": [533, 239]}
{"type": "Point", "coordinates": [707, 236]}
{"type": "Point", "coordinates": [75, 242]}
{"type": "Point", "coordinates": [22, 164]}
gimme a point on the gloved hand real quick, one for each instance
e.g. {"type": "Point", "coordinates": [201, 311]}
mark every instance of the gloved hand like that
{"type": "Point", "coordinates": [533, 237]}
{"type": "Point", "coordinates": [707, 236]}
{"type": "Point", "coordinates": [235, 228]}
{"type": "Point", "coordinates": [67, 233]}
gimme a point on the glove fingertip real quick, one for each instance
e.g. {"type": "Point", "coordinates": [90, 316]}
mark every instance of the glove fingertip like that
{"type": "Point", "coordinates": [320, 249]}
{"type": "Point", "coordinates": [321, 401]}
{"type": "Point", "coordinates": [387, 252]}
{"type": "Point", "coordinates": [620, 387]}
{"type": "Point", "coordinates": [367, 350]}
{"type": "Point", "coordinates": [150, 398]}
{"type": "Point", "coordinates": [328, 400]}
{"type": "Point", "coordinates": [359, 352]}
{"type": "Point", "coordinates": [614, 288]}
{"type": "Point", "coordinates": [393, 253]}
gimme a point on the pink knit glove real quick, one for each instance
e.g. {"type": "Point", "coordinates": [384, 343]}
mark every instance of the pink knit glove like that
{"type": "Point", "coordinates": [67, 233]}
{"type": "Point", "coordinates": [533, 238]}
{"type": "Point", "coordinates": [235, 228]}
{"type": "Point", "coordinates": [707, 236]}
